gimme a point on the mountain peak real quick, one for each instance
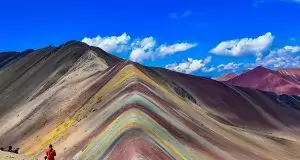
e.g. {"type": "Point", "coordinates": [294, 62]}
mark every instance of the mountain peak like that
{"type": "Point", "coordinates": [74, 43]}
{"type": "Point", "coordinates": [260, 68]}
{"type": "Point", "coordinates": [77, 89]}
{"type": "Point", "coordinates": [281, 82]}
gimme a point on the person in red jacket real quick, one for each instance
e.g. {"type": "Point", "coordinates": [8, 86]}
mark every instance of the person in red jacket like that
{"type": "Point", "coordinates": [50, 154]}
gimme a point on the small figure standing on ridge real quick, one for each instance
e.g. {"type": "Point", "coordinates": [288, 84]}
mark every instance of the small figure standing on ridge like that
{"type": "Point", "coordinates": [10, 149]}
{"type": "Point", "coordinates": [50, 154]}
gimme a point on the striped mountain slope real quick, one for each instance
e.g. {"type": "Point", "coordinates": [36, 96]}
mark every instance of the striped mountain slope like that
{"type": "Point", "coordinates": [92, 105]}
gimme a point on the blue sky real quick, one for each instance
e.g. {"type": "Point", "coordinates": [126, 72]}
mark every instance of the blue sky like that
{"type": "Point", "coordinates": [192, 36]}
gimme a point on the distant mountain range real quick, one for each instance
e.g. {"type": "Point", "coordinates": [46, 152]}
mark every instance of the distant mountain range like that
{"type": "Point", "coordinates": [92, 105]}
{"type": "Point", "coordinates": [281, 81]}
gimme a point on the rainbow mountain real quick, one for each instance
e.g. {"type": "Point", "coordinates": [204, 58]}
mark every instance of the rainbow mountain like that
{"type": "Point", "coordinates": [92, 105]}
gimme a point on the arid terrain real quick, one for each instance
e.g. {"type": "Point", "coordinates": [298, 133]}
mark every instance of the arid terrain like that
{"type": "Point", "coordinates": [92, 105]}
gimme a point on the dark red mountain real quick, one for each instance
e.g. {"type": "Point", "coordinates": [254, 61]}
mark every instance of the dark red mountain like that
{"type": "Point", "coordinates": [283, 81]}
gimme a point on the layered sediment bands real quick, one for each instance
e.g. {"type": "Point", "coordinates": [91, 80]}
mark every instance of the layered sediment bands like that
{"type": "Point", "coordinates": [134, 144]}
{"type": "Point", "coordinates": [102, 107]}
{"type": "Point", "coordinates": [132, 119]}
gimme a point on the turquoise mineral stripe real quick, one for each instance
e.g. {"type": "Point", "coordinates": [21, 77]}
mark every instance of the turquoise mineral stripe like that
{"type": "Point", "coordinates": [141, 120]}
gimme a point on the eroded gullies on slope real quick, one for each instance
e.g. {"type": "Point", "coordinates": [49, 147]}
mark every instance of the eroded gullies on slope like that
{"type": "Point", "coordinates": [125, 102]}
{"type": "Point", "coordinates": [60, 129]}
{"type": "Point", "coordinates": [123, 98]}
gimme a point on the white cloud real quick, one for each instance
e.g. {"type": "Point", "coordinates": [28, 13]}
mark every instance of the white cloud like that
{"type": "Point", "coordinates": [146, 43]}
{"type": "Point", "coordinates": [229, 66]}
{"type": "Point", "coordinates": [110, 44]}
{"type": "Point", "coordinates": [244, 46]}
{"type": "Point", "coordinates": [208, 69]}
{"type": "Point", "coordinates": [288, 49]}
{"type": "Point", "coordinates": [164, 50]}
{"type": "Point", "coordinates": [145, 49]}
{"type": "Point", "coordinates": [286, 57]}
{"type": "Point", "coordinates": [185, 14]}
{"type": "Point", "coordinates": [140, 49]}
{"type": "Point", "coordinates": [189, 66]}
{"type": "Point", "coordinates": [139, 55]}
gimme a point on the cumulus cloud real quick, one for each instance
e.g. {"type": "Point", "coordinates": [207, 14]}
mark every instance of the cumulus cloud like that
{"type": "Point", "coordinates": [286, 57]}
{"type": "Point", "coordinates": [140, 49]}
{"type": "Point", "coordinates": [189, 66]}
{"type": "Point", "coordinates": [139, 55]}
{"type": "Point", "coordinates": [229, 66]}
{"type": "Point", "coordinates": [288, 49]}
{"type": "Point", "coordinates": [145, 49]}
{"type": "Point", "coordinates": [146, 43]}
{"type": "Point", "coordinates": [244, 46]}
{"type": "Point", "coordinates": [164, 50]}
{"type": "Point", "coordinates": [110, 43]}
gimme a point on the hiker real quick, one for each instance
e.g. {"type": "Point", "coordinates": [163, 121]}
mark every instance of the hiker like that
{"type": "Point", "coordinates": [10, 149]}
{"type": "Point", "coordinates": [50, 154]}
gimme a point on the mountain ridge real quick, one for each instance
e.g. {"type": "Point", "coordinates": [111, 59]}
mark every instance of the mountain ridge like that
{"type": "Point", "coordinates": [93, 109]}
{"type": "Point", "coordinates": [278, 81]}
